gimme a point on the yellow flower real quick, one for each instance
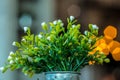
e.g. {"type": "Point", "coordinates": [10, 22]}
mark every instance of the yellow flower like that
{"type": "Point", "coordinates": [91, 62]}
{"type": "Point", "coordinates": [103, 47]}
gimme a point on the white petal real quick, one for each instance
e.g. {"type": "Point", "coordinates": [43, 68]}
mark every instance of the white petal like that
{"type": "Point", "coordinates": [85, 32]}
{"type": "Point", "coordinates": [72, 18]}
{"type": "Point", "coordinates": [11, 62]}
{"type": "Point", "coordinates": [40, 36]}
{"type": "Point", "coordinates": [73, 26]}
{"type": "Point", "coordinates": [25, 74]}
{"type": "Point", "coordinates": [90, 40]}
{"type": "Point", "coordinates": [9, 57]}
{"type": "Point", "coordinates": [16, 59]}
{"type": "Point", "coordinates": [23, 39]}
{"type": "Point", "coordinates": [55, 22]}
{"type": "Point", "coordinates": [62, 24]}
{"type": "Point", "coordinates": [59, 21]}
{"type": "Point", "coordinates": [1, 68]}
{"type": "Point", "coordinates": [95, 27]}
{"type": "Point", "coordinates": [48, 37]}
{"type": "Point", "coordinates": [11, 53]}
{"type": "Point", "coordinates": [43, 23]}
{"type": "Point", "coordinates": [25, 29]}
{"type": "Point", "coordinates": [14, 43]}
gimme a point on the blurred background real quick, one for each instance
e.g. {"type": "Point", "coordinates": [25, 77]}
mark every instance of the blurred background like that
{"type": "Point", "coordinates": [16, 14]}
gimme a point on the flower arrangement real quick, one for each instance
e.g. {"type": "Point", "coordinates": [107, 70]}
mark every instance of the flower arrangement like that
{"type": "Point", "coordinates": [108, 45]}
{"type": "Point", "coordinates": [58, 48]}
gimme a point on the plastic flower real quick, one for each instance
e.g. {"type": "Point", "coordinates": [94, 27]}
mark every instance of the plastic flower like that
{"type": "Point", "coordinates": [67, 48]}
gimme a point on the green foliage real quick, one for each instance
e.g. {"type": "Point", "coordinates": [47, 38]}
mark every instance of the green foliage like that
{"type": "Point", "coordinates": [58, 48]}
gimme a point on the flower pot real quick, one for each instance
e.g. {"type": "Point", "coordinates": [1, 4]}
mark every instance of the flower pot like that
{"type": "Point", "coordinates": [62, 75]}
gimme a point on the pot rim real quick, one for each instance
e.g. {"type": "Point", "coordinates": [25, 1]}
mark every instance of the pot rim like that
{"type": "Point", "coordinates": [63, 72]}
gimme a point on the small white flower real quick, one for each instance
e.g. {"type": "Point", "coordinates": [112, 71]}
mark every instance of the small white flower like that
{"type": "Point", "coordinates": [26, 74]}
{"type": "Point", "coordinates": [39, 36]}
{"type": "Point", "coordinates": [90, 40]}
{"type": "Point", "coordinates": [73, 26]}
{"type": "Point", "coordinates": [36, 48]}
{"type": "Point", "coordinates": [11, 53]}
{"type": "Point", "coordinates": [1, 68]}
{"type": "Point", "coordinates": [55, 22]}
{"type": "Point", "coordinates": [9, 57]}
{"type": "Point", "coordinates": [85, 32]}
{"type": "Point", "coordinates": [95, 26]}
{"type": "Point", "coordinates": [11, 62]}
{"type": "Point", "coordinates": [23, 39]}
{"type": "Point", "coordinates": [72, 18]}
{"type": "Point", "coordinates": [25, 29]}
{"type": "Point", "coordinates": [16, 59]}
{"type": "Point", "coordinates": [62, 24]}
{"type": "Point", "coordinates": [14, 43]}
{"type": "Point", "coordinates": [43, 23]}
{"type": "Point", "coordinates": [48, 37]}
{"type": "Point", "coordinates": [59, 21]}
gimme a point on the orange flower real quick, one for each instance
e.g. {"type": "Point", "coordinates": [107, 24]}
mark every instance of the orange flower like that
{"type": "Point", "coordinates": [107, 41]}
{"type": "Point", "coordinates": [116, 54]}
{"type": "Point", "coordinates": [113, 45]}
{"type": "Point", "coordinates": [110, 32]}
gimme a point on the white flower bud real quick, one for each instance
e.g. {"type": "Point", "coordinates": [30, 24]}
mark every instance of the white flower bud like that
{"type": "Point", "coordinates": [36, 48]}
{"type": "Point", "coordinates": [72, 18]}
{"type": "Point", "coordinates": [55, 22]}
{"type": "Point", "coordinates": [39, 36]}
{"type": "Point", "coordinates": [9, 57]}
{"type": "Point", "coordinates": [59, 21]}
{"type": "Point", "coordinates": [11, 62]}
{"type": "Point", "coordinates": [26, 74]}
{"type": "Point", "coordinates": [16, 59]}
{"type": "Point", "coordinates": [14, 43]}
{"type": "Point", "coordinates": [85, 32]}
{"type": "Point", "coordinates": [90, 40]}
{"type": "Point", "coordinates": [1, 68]}
{"type": "Point", "coordinates": [61, 24]}
{"type": "Point", "coordinates": [73, 26]}
{"type": "Point", "coordinates": [95, 27]}
{"type": "Point", "coordinates": [25, 29]}
{"type": "Point", "coordinates": [48, 37]}
{"type": "Point", "coordinates": [11, 53]}
{"type": "Point", "coordinates": [43, 23]}
{"type": "Point", "coordinates": [23, 39]}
